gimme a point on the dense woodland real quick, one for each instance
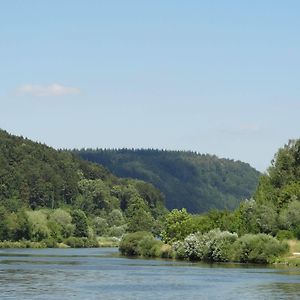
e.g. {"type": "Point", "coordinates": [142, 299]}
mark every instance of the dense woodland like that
{"type": "Point", "coordinates": [51, 198]}
{"type": "Point", "coordinates": [49, 195]}
{"type": "Point", "coordinates": [189, 180]}
{"type": "Point", "coordinates": [251, 233]}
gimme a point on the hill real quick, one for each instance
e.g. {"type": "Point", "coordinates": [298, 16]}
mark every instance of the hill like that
{"type": "Point", "coordinates": [48, 186]}
{"type": "Point", "coordinates": [195, 181]}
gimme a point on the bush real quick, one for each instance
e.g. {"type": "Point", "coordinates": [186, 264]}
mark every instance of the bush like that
{"type": "Point", "coordinates": [150, 247]}
{"type": "Point", "coordinates": [284, 235]}
{"type": "Point", "coordinates": [141, 243]}
{"type": "Point", "coordinates": [179, 250]}
{"type": "Point", "coordinates": [211, 246]}
{"type": "Point", "coordinates": [260, 248]}
{"type": "Point", "coordinates": [22, 244]}
{"type": "Point", "coordinates": [166, 251]}
{"type": "Point", "coordinates": [129, 244]}
{"type": "Point", "coordinates": [84, 242]}
{"type": "Point", "coordinates": [50, 243]}
{"type": "Point", "coordinates": [193, 247]}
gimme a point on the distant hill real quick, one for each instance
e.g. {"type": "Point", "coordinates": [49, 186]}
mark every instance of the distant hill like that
{"type": "Point", "coordinates": [195, 181]}
{"type": "Point", "coordinates": [35, 176]}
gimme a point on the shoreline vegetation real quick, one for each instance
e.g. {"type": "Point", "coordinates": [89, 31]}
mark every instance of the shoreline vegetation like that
{"type": "Point", "coordinates": [99, 242]}
{"type": "Point", "coordinates": [51, 198]}
{"type": "Point", "coordinates": [213, 246]}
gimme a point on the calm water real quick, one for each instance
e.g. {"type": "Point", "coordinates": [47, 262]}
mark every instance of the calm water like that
{"type": "Point", "coordinates": [102, 274]}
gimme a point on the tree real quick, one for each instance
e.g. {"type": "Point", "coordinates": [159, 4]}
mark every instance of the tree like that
{"type": "Point", "coordinates": [79, 219]}
{"type": "Point", "coordinates": [38, 227]}
{"type": "Point", "coordinates": [138, 216]}
{"type": "Point", "coordinates": [178, 225]}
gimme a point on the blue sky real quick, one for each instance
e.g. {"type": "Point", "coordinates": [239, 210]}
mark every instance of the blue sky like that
{"type": "Point", "coordinates": [219, 77]}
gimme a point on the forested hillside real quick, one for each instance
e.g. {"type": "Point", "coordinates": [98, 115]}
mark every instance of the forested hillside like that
{"type": "Point", "coordinates": [195, 181]}
{"type": "Point", "coordinates": [263, 229]}
{"type": "Point", "coordinates": [48, 191]}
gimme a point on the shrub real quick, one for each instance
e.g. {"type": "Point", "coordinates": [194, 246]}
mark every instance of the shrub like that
{"type": "Point", "coordinates": [214, 245]}
{"type": "Point", "coordinates": [193, 247]}
{"type": "Point", "coordinates": [136, 243]}
{"type": "Point", "coordinates": [284, 235]}
{"type": "Point", "coordinates": [50, 242]}
{"type": "Point", "coordinates": [84, 242]}
{"type": "Point", "coordinates": [260, 248]}
{"type": "Point", "coordinates": [166, 251]}
{"type": "Point", "coordinates": [179, 250]}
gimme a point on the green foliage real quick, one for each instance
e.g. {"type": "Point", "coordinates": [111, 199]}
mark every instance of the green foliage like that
{"type": "Point", "coordinates": [281, 185]}
{"type": "Point", "coordinates": [79, 219]}
{"type": "Point", "coordinates": [214, 245]}
{"type": "Point", "coordinates": [289, 217]}
{"type": "Point", "coordinates": [259, 248]}
{"type": "Point", "coordinates": [284, 235]}
{"type": "Point", "coordinates": [81, 242]}
{"type": "Point", "coordinates": [223, 246]}
{"type": "Point", "coordinates": [115, 218]}
{"type": "Point", "coordinates": [178, 224]}
{"type": "Point", "coordinates": [16, 226]}
{"type": "Point", "coordinates": [129, 244]}
{"type": "Point", "coordinates": [116, 231]}
{"type": "Point", "coordinates": [138, 216]}
{"type": "Point", "coordinates": [100, 226]}
{"type": "Point", "coordinates": [94, 196]}
{"type": "Point", "coordinates": [142, 244]}
{"type": "Point", "coordinates": [63, 195]}
{"type": "Point", "coordinates": [149, 247]}
{"type": "Point", "coordinates": [38, 227]}
{"type": "Point", "coordinates": [63, 220]}
{"type": "Point", "coordinates": [22, 244]}
{"type": "Point", "coordinates": [187, 179]}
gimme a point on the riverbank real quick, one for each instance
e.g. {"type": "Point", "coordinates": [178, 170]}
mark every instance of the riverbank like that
{"type": "Point", "coordinates": [292, 258]}
{"type": "Point", "coordinates": [98, 242]}
{"type": "Point", "coordinates": [213, 246]}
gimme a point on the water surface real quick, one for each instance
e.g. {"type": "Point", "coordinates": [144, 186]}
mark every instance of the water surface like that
{"type": "Point", "coordinates": [103, 274]}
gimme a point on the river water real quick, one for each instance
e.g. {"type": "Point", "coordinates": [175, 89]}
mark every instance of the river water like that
{"type": "Point", "coordinates": [103, 274]}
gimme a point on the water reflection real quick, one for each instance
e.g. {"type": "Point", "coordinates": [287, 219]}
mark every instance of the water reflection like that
{"type": "Point", "coordinates": [102, 274]}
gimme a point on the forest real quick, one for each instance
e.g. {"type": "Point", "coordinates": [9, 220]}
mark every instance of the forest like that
{"type": "Point", "coordinates": [258, 231]}
{"type": "Point", "coordinates": [53, 198]}
{"type": "Point", "coordinates": [49, 197]}
{"type": "Point", "coordinates": [197, 182]}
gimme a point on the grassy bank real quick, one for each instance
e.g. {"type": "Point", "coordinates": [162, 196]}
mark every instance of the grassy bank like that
{"type": "Point", "coordinates": [71, 242]}
{"type": "Point", "coordinates": [292, 258]}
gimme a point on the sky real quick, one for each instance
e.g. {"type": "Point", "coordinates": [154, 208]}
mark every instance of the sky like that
{"type": "Point", "coordinates": [218, 77]}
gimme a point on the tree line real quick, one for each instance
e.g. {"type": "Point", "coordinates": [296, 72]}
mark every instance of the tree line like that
{"type": "Point", "coordinates": [54, 196]}
{"type": "Point", "coordinates": [197, 182]}
{"type": "Point", "coordinates": [254, 232]}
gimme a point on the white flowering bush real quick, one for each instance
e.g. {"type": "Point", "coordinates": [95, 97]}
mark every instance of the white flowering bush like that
{"type": "Point", "coordinates": [223, 246]}
{"type": "Point", "coordinates": [193, 248]}
{"type": "Point", "coordinates": [211, 246]}
{"type": "Point", "coordinates": [178, 248]}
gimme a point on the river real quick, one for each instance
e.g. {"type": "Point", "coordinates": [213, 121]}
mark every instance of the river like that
{"type": "Point", "coordinates": [103, 274]}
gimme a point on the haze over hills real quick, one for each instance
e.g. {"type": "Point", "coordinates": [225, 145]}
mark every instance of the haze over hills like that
{"type": "Point", "coordinates": [198, 182]}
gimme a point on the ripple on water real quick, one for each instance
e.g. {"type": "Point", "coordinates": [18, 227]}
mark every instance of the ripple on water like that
{"type": "Point", "coordinates": [101, 274]}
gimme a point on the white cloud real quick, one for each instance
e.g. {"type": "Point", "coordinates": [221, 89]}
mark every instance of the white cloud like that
{"type": "Point", "coordinates": [244, 129]}
{"type": "Point", "coordinates": [54, 89]}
